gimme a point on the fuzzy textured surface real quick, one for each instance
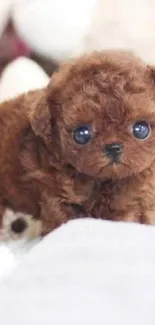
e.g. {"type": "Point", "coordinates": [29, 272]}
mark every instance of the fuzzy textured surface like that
{"type": "Point", "coordinates": [47, 174]}
{"type": "Point", "coordinates": [86, 272]}
{"type": "Point", "coordinates": [108, 92]}
{"type": "Point", "coordinates": [18, 191]}
{"type": "Point", "coordinates": [19, 76]}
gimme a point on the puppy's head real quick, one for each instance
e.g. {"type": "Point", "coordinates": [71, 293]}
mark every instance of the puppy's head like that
{"type": "Point", "coordinates": [100, 113]}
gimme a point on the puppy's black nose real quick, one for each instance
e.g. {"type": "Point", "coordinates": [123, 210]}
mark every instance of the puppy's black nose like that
{"type": "Point", "coordinates": [113, 150]}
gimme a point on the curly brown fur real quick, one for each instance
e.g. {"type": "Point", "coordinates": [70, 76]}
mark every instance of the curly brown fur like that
{"type": "Point", "coordinates": [30, 179]}
{"type": "Point", "coordinates": [45, 173]}
{"type": "Point", "coordinates": [14, 192]}
{"type": "Point", "coordinates": [109, 92]}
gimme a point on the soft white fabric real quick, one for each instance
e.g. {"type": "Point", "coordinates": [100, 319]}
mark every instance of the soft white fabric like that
{"type": "Point", "coordinates": [87, 272]}
{"type": "Point", "coordinates": [11, 254]}
{"type": "Point", "coordinates": [14, 246]}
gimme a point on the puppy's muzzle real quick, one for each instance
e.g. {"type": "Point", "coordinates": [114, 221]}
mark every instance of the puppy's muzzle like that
{"type": "Point", "coordinates": [113, 151]}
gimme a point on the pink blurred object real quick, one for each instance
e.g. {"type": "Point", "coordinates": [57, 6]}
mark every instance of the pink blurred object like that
{"type": "Point", "coordinates": [12, 46]}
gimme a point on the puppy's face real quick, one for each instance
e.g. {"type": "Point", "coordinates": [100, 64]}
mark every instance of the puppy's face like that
{"type": "Point", "coordinates": [103, 111]}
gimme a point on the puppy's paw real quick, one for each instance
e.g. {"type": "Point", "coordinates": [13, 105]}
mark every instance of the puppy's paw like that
{"type": "Point", "coordinates": [18, 225]}
{"type": "Point", "coordinates": [79, 211]}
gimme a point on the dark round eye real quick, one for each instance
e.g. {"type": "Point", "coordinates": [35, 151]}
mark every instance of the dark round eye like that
{"type": "Point", "coordinates": [82, 134]}
{"type": "Point", "coordinates": [141, 130]}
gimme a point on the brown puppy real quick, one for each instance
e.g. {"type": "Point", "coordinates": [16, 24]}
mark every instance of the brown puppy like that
{"type": "Point", "coordinates": [97, 119]}
{"type": "Point", "coordinates": [86, 144]}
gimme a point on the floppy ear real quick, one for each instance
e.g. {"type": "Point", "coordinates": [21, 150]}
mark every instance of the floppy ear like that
{"type": "Point", "coordinates": [39, 114]}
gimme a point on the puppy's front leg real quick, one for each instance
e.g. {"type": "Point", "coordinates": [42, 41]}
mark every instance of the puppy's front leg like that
{"type": "Point", "coordinates": [55, 211]}
{"type": "Point", "coordinates": [64, 200]}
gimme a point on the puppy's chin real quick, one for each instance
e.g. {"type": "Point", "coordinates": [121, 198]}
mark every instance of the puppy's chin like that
{"type": "Point", "coordinates": [116, 171]}
{"type": "Point", "coordinates": [113, 171]}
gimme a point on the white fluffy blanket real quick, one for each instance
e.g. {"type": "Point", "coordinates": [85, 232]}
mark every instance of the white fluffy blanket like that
{"type": "Point", "coordinates": [87, 272]}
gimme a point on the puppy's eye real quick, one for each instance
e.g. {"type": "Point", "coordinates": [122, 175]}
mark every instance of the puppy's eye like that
{"type": "Point", "coordinates": [141, 130]}
{"type": "Point", "coordinates": [82, 134]}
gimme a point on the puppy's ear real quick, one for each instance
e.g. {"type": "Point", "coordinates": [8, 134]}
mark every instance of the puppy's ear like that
{"type": "Point", "coordinates": [39, 115]}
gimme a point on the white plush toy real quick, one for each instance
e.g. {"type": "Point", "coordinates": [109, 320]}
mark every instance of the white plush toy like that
{"type": "Point", "coordinates": [64, 28]}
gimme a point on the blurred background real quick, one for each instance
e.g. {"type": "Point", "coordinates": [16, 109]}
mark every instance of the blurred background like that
{"type": "Point", "coordinates": [51, 31]}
